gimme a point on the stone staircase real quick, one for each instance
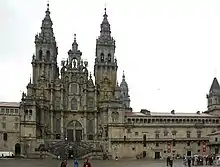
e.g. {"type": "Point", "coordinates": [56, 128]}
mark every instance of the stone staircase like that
{"type": "Point", "coordinates": [79, 150]}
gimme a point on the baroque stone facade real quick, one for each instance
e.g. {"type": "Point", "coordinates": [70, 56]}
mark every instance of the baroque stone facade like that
{"type": "Point", "coordinates": [67, 104]}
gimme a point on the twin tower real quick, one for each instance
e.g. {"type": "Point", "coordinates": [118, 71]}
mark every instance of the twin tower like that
{"type": "Point", "coordinates": [105, 67]}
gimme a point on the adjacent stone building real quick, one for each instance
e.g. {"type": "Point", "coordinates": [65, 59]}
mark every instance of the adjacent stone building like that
{"type": "Point", "coordinates": [67, 108]}
{"type": "Point", "coordinates": [9, 127]}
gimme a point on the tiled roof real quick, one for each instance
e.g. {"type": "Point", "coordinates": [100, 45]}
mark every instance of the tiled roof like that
{"type": "Point", "coordinates": [168, 114]}
{"type": "Point", "coordinates": [9, 104]}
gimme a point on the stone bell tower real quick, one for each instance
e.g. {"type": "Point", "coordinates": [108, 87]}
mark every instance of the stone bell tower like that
{"type": "Point", "coordinates": [105, 68]}
{"type": "Point", "coordinates": [44, 61]}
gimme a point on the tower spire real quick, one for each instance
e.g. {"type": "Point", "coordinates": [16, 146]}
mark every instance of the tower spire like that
{"type": "Point", "coordinates": [105, 32]}
{"type": "Point", "coordinates": [75, 44]}
{"type": "Point", "coordinates": [123, 76]}
{"type": "Point", "coordinates": [46, 33]}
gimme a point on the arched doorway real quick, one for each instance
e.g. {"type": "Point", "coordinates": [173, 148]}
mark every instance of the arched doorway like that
{"type": "Point", "coordinates": [74, 131]}
{"type": "Point", "coordinates": [17, 149]}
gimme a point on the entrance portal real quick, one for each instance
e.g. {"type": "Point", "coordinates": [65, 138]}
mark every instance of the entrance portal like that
{"type": "Point", "coordinates": [74, 131]}
{"type": "Point", "coordinates": [70, 135]}
{"type": "Point", "coordinates": [78, 135]}
{"type": "Point", "coordinates": [17, 149]}
{"type": "Point", "coordinates": [157, 155]}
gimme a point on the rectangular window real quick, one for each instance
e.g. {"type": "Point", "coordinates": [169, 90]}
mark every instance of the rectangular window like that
{"type": "Point", "coordinates": [16, 111]}
{"type": "Point", "coordinates": [199, 134]}
{"type": "Point", "coordinates": [2, 110]}
{"type": "Point", "coordinates": [16, 125]}
{"type": "Point", "coordinates": [90, 137]}
{"type": "Point", "coordinates": [136, 133]}
{"type": "Point", "coordinates": [187, 134]}
{"type": "Point", "coordinates": [5, 136]}
{"type": "Point", "coordinates": [3, 125]}
{"type": "Point", "coordinates": [165, 133]}
{"type": "Point", "coordinates": [7, 110]}
{"type": "Point", "coordinates": [11, 111]}
{"type": "Point", "coordinates": [174, 132]}
{"type": "Point", "coordinates": [157, 144]}
{"type": "Point", "coordinates": [216, 139]}
{"type": "Point", "coordinates": [157, 135]}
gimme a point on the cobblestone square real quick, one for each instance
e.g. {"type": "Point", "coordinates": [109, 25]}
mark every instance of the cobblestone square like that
{"type": "Point", "coordinates": [56, 163]}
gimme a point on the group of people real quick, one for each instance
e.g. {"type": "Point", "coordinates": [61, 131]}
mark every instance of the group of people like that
{"type": "Point", "coordinates": [76, 163]}
{"type": "Point", "coordinates": [198, 160]}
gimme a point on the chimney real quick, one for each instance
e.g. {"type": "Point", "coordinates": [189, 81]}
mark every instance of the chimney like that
{"type": "Point", "coordinates": [173, 112]}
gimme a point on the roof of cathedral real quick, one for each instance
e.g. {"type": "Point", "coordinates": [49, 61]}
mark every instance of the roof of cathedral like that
{"type": "Point", "coordinates": [140, 114]}
{"type": "Point", "coordinates": [215, 85]}
{"type": "Point", "coordinates": [9, 104]}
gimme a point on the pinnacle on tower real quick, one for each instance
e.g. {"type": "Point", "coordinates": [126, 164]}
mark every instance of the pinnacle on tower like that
{"type": "Point", "coordinates": [46, 34]}
{"type": "Point", "coordinates": [215, 86]}
{"type": "Point", "coordinates": [75, 44]}
{"type": "Point", "coordinates": [123, 76]}
{"type": "Point", "coordinates": [105, 32]}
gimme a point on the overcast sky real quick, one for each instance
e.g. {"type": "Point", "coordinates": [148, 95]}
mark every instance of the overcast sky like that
{"type": "Point", "coordinates": [169, 49]}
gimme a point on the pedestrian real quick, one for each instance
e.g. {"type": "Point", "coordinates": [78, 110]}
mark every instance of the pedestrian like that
{"type": "Point", "coordinates": [87, 163]}
{"type": "Point", "coordinates": [168, 160]}
{"type": "Point", "coordinates": [76, 163]}
{"type": "Point", "coordinates": [171, 162]}
{"type": "Point", "coordinates": [189, 161]}
{"type": "Point", "coordinates": [63, 163]}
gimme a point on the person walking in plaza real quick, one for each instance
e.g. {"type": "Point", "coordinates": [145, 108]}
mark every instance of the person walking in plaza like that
{"type": "Point", "coordinates": [171, 162]}
{"type": "Point", "coordinates": [168, 160]}
{"type": "Point", "coordinates": [189, 161]}
{"type": "Point", "coordinates": [76, 163]}
{"type": "Point", "coordinates": [87, 163]}
{"type": "Point", "coordinates": [63, 163]}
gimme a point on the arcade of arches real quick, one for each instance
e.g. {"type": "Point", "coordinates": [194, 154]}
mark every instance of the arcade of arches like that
{"type": "Point", "coordinates": [74, 131]}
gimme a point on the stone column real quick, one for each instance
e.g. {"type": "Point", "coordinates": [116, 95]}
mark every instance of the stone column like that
{"type": "Point", "coordinates": [95, 99]}
{"type": "Point", "coordinates": [52, 72]}
{"type": "Point", "coordinates": [85, 126]}
{"type": "Point", "coordinates": [85, 101]}
{"type": "Point", "coordinates": [51, 123]}
{"type": "Point", "coordinates": [61, 98]}
{"type": "Point", "coordinates": [42, 118]}
{"type": "Point", "coordinates": [34, 73]}
{"type": "Point", "coordinates": [96, 132]}
{"type": "Point", "coordinates": [61, 124]}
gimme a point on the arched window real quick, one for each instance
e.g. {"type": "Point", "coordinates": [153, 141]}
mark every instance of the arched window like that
{"type": "Point", "coordinates": [109, 57]}
{"type": "Point", "coordinates": [48, 55]}
{"type": "Point", "coordinates": [40, 55]}
{"type": "Point", "coordinates": [102, 57]}
{"type": "Point", "coordinates": [73, 104]}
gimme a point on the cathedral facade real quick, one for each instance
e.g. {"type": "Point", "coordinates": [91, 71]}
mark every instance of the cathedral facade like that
{"type": "Point", "coordinates": [68, 105]}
